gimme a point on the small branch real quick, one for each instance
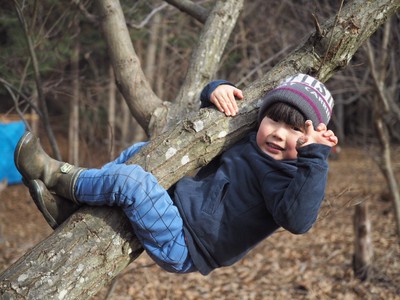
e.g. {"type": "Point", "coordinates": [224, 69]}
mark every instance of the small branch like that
{"type": "Point", "coordinates": [148, 17]}
{"type": "Point", "coordinates": [320, 34]}
{"type": "Point", "coordinates": [11, 89]}
{"type": "Point", "coordinates": [191, 8]}
{"type": "Point", "coordinates": [318, 30]}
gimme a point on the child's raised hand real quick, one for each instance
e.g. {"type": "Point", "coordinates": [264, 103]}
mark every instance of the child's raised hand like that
{"type": "Point", "coordinates": [224, 98]}
{"type": "Point", "coordinates": [320, 135]}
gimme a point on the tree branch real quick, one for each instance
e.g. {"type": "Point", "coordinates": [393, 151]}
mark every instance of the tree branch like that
{"type": "Point", "coordinates": [192, 9]}
{"type": "Point", "coordinates": [205, 58]}
{"type": "Point", "coordinates": [100, 242]}
{"type": "Point", "coordinates": [129, 75]}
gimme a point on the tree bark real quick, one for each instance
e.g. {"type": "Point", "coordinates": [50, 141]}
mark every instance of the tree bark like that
{"type": "Point", "coordinates": [73, 130]}
{"type": "Point", "coordinates": [112, 99]}
{"type": "Point", "coordinates": [151, 53]}
{"type": "Point", "coordinates": [363, 249]}
{"type": "Point", "coordinates": [95, 244]}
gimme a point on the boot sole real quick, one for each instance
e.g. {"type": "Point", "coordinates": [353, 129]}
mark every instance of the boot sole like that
{"type": "Point", "coordinates": [55, 209]}
{"type": "Point", "coordinates": [37, 192]}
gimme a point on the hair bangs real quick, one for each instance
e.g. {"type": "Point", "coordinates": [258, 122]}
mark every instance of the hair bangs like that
{"type": "Point", "coordinates": [286, 113]}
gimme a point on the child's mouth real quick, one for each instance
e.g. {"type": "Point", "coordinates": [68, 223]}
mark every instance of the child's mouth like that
{"type": "Point", "coordinates": [274, 146]}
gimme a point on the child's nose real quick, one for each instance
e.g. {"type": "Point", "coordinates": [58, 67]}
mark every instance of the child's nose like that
{"type": "Point", "coordinates": [279, 132]}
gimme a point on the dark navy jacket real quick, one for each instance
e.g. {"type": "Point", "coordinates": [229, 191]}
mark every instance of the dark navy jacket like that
{"type": "Point", "coordinates": [244, 195]}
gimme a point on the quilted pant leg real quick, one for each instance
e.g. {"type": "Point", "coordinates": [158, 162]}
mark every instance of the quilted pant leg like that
{"type": "Point", "coordinates": [154, 217]}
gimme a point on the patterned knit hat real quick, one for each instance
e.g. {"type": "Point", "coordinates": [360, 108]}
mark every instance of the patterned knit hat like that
{"type": "Point", "coordinates": [305, 93]}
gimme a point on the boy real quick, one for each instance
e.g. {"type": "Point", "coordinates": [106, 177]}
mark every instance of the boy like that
{"type": "Point", "coordinates": [273, 178]}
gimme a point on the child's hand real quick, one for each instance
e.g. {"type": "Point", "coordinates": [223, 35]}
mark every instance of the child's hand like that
{"type": "Point", "coordinates": [223, 97]}
{"type": "Point", "coordinates": [320, 135]}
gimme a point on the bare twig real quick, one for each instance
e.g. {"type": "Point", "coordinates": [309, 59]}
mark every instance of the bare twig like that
{"type": "Point", "coordinates": [324, 58]}
{"type": "Point", "coordinates": [148, 17]}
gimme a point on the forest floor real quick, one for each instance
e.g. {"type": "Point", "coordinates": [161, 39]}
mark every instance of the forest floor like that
{"type": "Point", "coordinates": [316, 265]}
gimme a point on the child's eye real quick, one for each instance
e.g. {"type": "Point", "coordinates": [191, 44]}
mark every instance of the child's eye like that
{"type": "Point", "coordinates": [297, 129]}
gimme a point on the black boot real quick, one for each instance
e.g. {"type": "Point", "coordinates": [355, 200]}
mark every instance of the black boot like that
{"type": "Point", "coordinates": [55, 209]}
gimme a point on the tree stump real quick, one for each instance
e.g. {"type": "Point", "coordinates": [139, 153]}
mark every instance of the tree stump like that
{"type": "Point", "coordinates": [363, 248]}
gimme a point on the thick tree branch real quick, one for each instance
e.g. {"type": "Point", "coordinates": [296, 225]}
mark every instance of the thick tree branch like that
{"type": "Point", "coordinates": [129, 75]}
{"type": "Point", "coordinates": [204, 61]}
{"type": "Point", "coordinates": [205, 58]}
{"type": "Point", "coordinates": [94, 233]}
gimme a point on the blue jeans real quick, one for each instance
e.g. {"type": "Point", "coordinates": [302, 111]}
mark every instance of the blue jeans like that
{"type": "Point", "coordinates": [154, 217]}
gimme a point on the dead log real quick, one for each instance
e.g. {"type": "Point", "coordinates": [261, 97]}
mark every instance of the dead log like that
{"type": "Point", "coordinates": [95, 244]}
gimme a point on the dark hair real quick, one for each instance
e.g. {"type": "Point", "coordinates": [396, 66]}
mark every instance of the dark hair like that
{"type": "Point", "coordinates": [286, 113]}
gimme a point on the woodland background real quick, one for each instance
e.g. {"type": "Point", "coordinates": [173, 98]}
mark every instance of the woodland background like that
{"type": "Point", "coordinates": [66, 37]}
{"type": "Point", "coordinates": [73, 63]}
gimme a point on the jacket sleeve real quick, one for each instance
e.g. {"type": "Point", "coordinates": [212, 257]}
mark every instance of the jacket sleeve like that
{"type": "Point", "coordinates": [208, 89]}
{"type": "Point", "coordinates": [295, 206]}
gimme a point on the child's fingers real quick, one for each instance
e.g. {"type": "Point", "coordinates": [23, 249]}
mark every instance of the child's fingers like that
{"type": "Point", "coordinates": [229, 105]}
{"type": "Point", "coordinates": [238, 94]}
{"type": "Point", "coordinates": [321, 127]}
{"type": "Point", "coordinates": [224, 104]}
{"type": "Point", "coordinates": [334, 140]}
{"type": "Point", "coordinates": [328, 133]}
{"type": "Point", "coordinates": [309, 127]}
{"type": "Point", "coordinates": [234, 106]}
{"type": "Point", "coordinates": [301, 141]}
{"type": "Point", "coordinates": [224, 98]}
{"type": "Point", "coordinates": [217, 103]}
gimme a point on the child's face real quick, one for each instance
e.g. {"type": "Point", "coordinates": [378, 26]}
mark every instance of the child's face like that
{"type": "Point", "coordinates": [278, 139]}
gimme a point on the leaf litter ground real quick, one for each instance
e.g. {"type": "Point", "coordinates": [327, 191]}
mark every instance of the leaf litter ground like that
{"type": "Point", "coordinates": [317, 265]}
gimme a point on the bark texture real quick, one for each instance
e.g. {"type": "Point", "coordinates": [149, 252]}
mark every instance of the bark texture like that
{"type": "Point", "coordinates": [363, 249]}
{"type": "Point", "coordinates": [95, 244]}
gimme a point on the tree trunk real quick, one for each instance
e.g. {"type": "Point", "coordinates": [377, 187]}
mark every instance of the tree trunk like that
{"type": "Point", "coordinates": [383, 106]}
{"type": "Point", "coordinates": [151, 53]}
{"type": "Point", "coordinates": [111, 113]}
{"type": "Point", "coordinates": [73, 130]}
{"type": "Point", "coordinates": [95, 244]}
{"type": "Point", "coordinates": [363, 249]}
{"type": "Point", "coordinates": [161, 59]}
{"type": "Point", "coordinates": [387, 169]}
{"type": "Point", "coordinates": [34, 122]}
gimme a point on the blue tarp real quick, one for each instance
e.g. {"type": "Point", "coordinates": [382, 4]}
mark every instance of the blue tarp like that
{"type": "Point", "coordinates": [10, 133]}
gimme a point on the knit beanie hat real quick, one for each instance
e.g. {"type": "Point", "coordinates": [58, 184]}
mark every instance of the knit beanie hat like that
{"type": "Point", "coordinates": [305, 93]}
